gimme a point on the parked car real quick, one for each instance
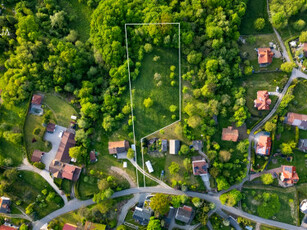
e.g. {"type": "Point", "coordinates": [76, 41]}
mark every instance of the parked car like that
{"type": "Point", "coordinates": [275, 175]}
{"type": "Point", "coordinates": [61, 134]}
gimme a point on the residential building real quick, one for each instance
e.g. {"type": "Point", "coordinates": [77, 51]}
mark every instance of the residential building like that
{"type": "Point", "coordinates": [69, 227]}
{"type": "Point", "coordinates": [265, 56]}
{"type": "Point", "coordinates": [94, 226]}
{"type": "Point", "coordinates": [93, 157]}
{"type": "Point", "coordinates": [174, 146]}
{"type": "Point", "coordinates": [230, 134]}
{"type": "Point", "coordinates": [142, 215]}
{"type": "Point", "coordinates": [302, 145]}
{"type": "Point", "coordinates": [164, 145]}
{"type": "Point", "coordinates": [264, 145]}
{"type": "Point", "coordinates": [119, 148]}
{"type": "Point", "coordinates": [305, 49]}
{"type": "Point", "coordinates": [37, 156]}
{"type": "Point", "coordinates": [199, 166]}
{"type": "Point", "coordinates": [8, 227]}
{"type": "Point", "coordinates": [184, 214]}
{"type": "Point", "coordinates": [303, 206]}
{"type": "Point", "coordinates": [197, 145]}
{"type": "Point", "coordinates": [289, 175]}
{"type": "Point", "coordinates": [37, 99]}
{"type": "Point", "coordinates": [67, 141]}
{"type": "Point", "coordinates": [50, 128]}
{"type": "Point", "coordinates": [5, 204]}
{"type": "Point", "coordinates": [263, 101]}
{"type": "Point", "coordinates": [295, 119]}
{"type": "Point", "coordinates": [64, 171]}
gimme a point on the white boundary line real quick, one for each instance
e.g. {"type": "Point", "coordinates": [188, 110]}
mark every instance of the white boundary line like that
{"type": "Point", "coordinates": [130, 89]}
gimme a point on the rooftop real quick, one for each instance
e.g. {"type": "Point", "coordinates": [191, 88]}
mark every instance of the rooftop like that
{"type": "Point", "coordinates": [230, 134]}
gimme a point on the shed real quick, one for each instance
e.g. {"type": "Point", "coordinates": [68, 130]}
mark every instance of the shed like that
{"type": "Point", "coordinates": [125, 164]}
{"type": "Point", "coordinates": [149, 166]}
{"type": "Point", "coordinates": [174, 146]}
{"type": "Point", "coordinates": [37, 156]}
{"type": "Point", "coordinates": [73, 117]}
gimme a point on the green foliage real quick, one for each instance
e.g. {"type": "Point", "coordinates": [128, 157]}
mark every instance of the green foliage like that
{"type": "Point", "coordinates": [259, 24]}
{"type": "Point", "coordinates": [174, 168]}
{"type": "Point", "coordinates": [231, 198]}
{"type": "Point", "coordinates": [287, 148]}
{"type": "Point", "coordinates": [154, 224]}
{"type": "Point", "coordinates": [267, 178]}
{"type": "Point", "coordinates": [270, 207]}
{"type": "Point", "coordinates": [148, 102]}
{"type": "Point", "coordinates": [130, 153]}
{"type": "Point", "coordinates": [148, 48]}
{"type": "Point", "coordinates": [303, 37]}
{"type": "Point", "coordinates": [173, 108]}
{"type": "Point", "coordinates": [299, 25]}
{"type": "Point", "coordinates": [224, 155]}
{"type": "Point", "coordinates": [160, 203]}
{"type": "Point", "coordinates": [222, 183]}
{"type": "Point", "coordinates": [39, 165]}
{"type": "Point", "coordinates": [287, 67]}
{"type": "Point", "coordinates": [269, 126]}
{"type": "Point", "coordinates": [184, 149]}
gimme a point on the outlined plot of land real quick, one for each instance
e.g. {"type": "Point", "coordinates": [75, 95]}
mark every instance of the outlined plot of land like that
{"type": "Point", "coordinates": [156, 92]}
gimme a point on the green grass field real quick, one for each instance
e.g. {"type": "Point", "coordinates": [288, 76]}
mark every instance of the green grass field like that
{"type": "Point", "coordinates": [82, 17]}
{"type": "Point", "coordinates": [255, 9]}
{"type": "Point", "coordinates": [60, 108]}
{"type": "Point", "coordinates": [299, 104]}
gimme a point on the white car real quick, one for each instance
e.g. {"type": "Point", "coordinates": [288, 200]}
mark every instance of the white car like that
{"type": "Point", "coordinates": [61, 134]}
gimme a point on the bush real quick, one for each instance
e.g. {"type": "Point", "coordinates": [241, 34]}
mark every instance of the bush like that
{"type": "Point", "coordinates": [39, 165]}
{"type": "Point", "coordinates": [259, 24]}
{"type": "Point", "coordinates": [299, 25]}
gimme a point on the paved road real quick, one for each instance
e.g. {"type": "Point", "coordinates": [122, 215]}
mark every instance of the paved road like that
{"type": "Point", "coordinates": [272, 171]}
{"type": "Point", "coordinates": [121, 217]}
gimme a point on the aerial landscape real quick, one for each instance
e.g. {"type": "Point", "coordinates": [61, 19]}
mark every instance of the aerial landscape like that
{"type": "Point", "coordinates": [146, 114]}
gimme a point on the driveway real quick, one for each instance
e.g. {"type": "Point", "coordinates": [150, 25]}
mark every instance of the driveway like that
{"type": "Point", "coordinates": [55, 140]}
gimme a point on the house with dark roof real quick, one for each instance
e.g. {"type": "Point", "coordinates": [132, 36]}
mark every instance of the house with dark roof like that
{"type": "Point", "coordinates": [184, 214]}
{"type": "Point", "coordinates": [264, 145]}
{"type": "Point", "coordinates": [199, 166]}
{"type": "Point", "coordinates": [37, 155]}
{"type": "Point", "coordinates": [302, 145]}
{"type": "Point", "coordinates": [174, 146]}
{"type": "Point", "coordinates": [119, 148]}
{"type": "Point", "coordinates": [69, 227]}
{"type": "Point", "coordinates": [50, 128]}
{"type": "Point", "coordinates": [265, 56]}
{"type": "Point", "coordinates": [296, 119]}
{"type": "Point", "coordinates": [142, 215]}
{"type": "Point", "coordinates": [164, 145]}
{"type": "Point", "coordinates": [289, 175]}
{"type": "Point", "coordinates": [197, 145]}
{"type": "Point", "coordinates": [5, 204]}
{"type": "Point", "coordinates": [230, 134]}
{"type": "Point", "coordinates": [67, 141]}
{"type": "Point", "coordinates": [263, 101]}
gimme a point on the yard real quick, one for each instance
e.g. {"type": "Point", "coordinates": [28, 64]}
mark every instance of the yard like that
{"type": "Point", "coordinates": [28, 187]}
{"type": "Point", "coordinates": [255, 9]}
{"type": "Point", "coordinates": [299, 104]}
{"type": "Point", "coordinates": [61, 109]}
{"type": "Point", "coordinates": [288, 212]}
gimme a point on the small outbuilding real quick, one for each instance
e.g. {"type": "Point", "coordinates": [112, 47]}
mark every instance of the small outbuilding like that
{"type": "Point", "coordinates": [174, 146]}
{"type": "Point", "coordinates": [50, 128]}
{"type": "Point", "coordinates": [37, 155]}
{"type": "Point", "coordinates": [149, 166]}
{"type": "Point", "coordinates": [164, 145]}
{"type": "Point", "coordinates": [93, 157]}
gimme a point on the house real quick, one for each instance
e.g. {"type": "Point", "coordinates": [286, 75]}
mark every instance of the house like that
{"type": "Point", "coordinates": [5, 204]}
{"type": "Point", "coordinates": [303, 206]}
{"type": "Point", "coordinates": [230, 134]}
{"type": "Point", "coordinates": [197, 145]}
{"type": "Point", "coordinates": [67, 141]}
{"type": "Point", "coordinates": [263, 101]}
{"type": "Point", "coordinates": [289, 175]}
{"type": "Point", "coordinates": [199, 166]}
{"type": "Point", "coordinates": [295, 119]}
{"type": "Point", "coordinates": [149, 166]}
{"type": "Point", "coordinates": [93, 157]}
{"type": "Point", "coordinates": [174, 146]}
{"type": "Point", "coordinates": [164, 145]}
{"type": "Point", "coordinates": [119, 148]}
{"type": "Point", "coordinates": [69, 227]}
{"type": "Point", "coordinates": [265, 56]}
{"type": "Point", "coordinates": [8, 227]}
{"type": "Point", "coordinates": [264, 145]}
{"type": "Point", "coordinates": [64, 171]}
{"type": "Point", "coordinates": [37, 156]}
{"type": "Point", "coordinates": [94, 226]}
{"type": "Point", "coordinates": [141, 215]}
{"type": "Point", "coordinates": [305, 49]}
{"type": "Point", "coordinates": [50, 128]}
{"type": "Point", "coordinates": [184, 214]}
{"type": "Point", "coordinates": [37, 100]}
{"type": "Point", "coordinates": [302, 145]}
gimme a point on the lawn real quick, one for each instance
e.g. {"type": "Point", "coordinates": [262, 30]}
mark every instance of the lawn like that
{"type": "Point", "coordinates": [61, 109]}
{"type": "Point", "coordinates": [255, 9]}
{"type": "Point", "coordinates": [28, 187]}
{"type": "Point", "coordinates": [157, 116]}
{"type": "Point", "coordinates": [288, 212]}
{"type": "Point", "coordinates": [33, 122]}
{"type": "Point", "coordinates": [299, 104]}
{"type": "Point", "coordinates": [82, 17]}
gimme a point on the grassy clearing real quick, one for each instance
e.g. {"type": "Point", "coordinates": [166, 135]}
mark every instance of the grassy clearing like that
{"type": "Point", "coordinates": [27, 187]}
{"type": "Point", "coordinates": [288, 212]}
{"type": "Point", "coordinates": [151, 119]}
{"type": "Point", "coordinates": [82, 17]}
{"type": "Point", "coordinates": [289, 31]}
{"type": "Point", "coordinates": [255, 9]}
{"type": "Point", "coordinates": [60, 108]}
{"type": "Point", "coordinates": [299, 104]}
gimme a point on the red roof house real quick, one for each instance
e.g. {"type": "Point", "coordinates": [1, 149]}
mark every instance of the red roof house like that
{"type": "Point", "coordinates": [117, 147]}
{"type": "Point", "coordinates": [230, 134]}
{"type": "Point", "coordinates": [37, 99]}
{"type": "Point", "coordinates": [265, 56]}
{"type": "Point", "coordinates": [289, 175]}
{"type": "Point", "coordinates": [69, 227]}
{"type": "Point", "coordinates": [264, 145]}
{"type": "Point", "coordinates": [6, 227]}
{"type": "Point", "coordinates": [37, 155]}
{"type": "Point", "coordinates": [67, 141]}
{"type": "Point", "coordinates": [296, 119]}
{"type": "Point", "coordinates": [71, 172]}
{"type": "Point", "coordinates": [263, 101]}
{"type": "Point", "coordinates": [200, 167]}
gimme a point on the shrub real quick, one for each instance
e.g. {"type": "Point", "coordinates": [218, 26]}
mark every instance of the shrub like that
{"type": "Point", "coordinates": [39, 165]}
{"type": "Point", "coordinates": [259, 24]}
{"type": "Point", "coordinates": [299, 25]}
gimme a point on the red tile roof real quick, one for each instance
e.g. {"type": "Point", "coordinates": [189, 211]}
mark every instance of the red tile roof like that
{"type": "Point", "coordinates": [265, 55]}
{"type": "Point", "coordinates": [37, 155]}
{"type": "Point", "coordinates": [50, 127]}
{"type": "Point", "coordinates": [230, 134]}
{"type": "Point", "coordinates": [71, 172]}
{"type": "Point", "coordinates": [67, 141]}
{"type": "Point", "coordinates": [199, 167]}
{"type": "Point", "coordinates": [289, 174]}
{"type": "Point", "coordinates": [69, 227]}
{"type": "Point", "coordinates": [118, 147]}
{"type": "Point", "coordinates": [264, 145]}
{"type": "Point", "coordinates": [37, 99]}
{"type": "Point", "coordinates": [296, 119]}
{"type": "Point", "coordinates": [263, 101]}
{"type": "Point", "coordinates": [4, 227]}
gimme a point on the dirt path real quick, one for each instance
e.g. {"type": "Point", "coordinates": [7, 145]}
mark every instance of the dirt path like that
{"type": "Point", "coordinates": [124, 174]}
